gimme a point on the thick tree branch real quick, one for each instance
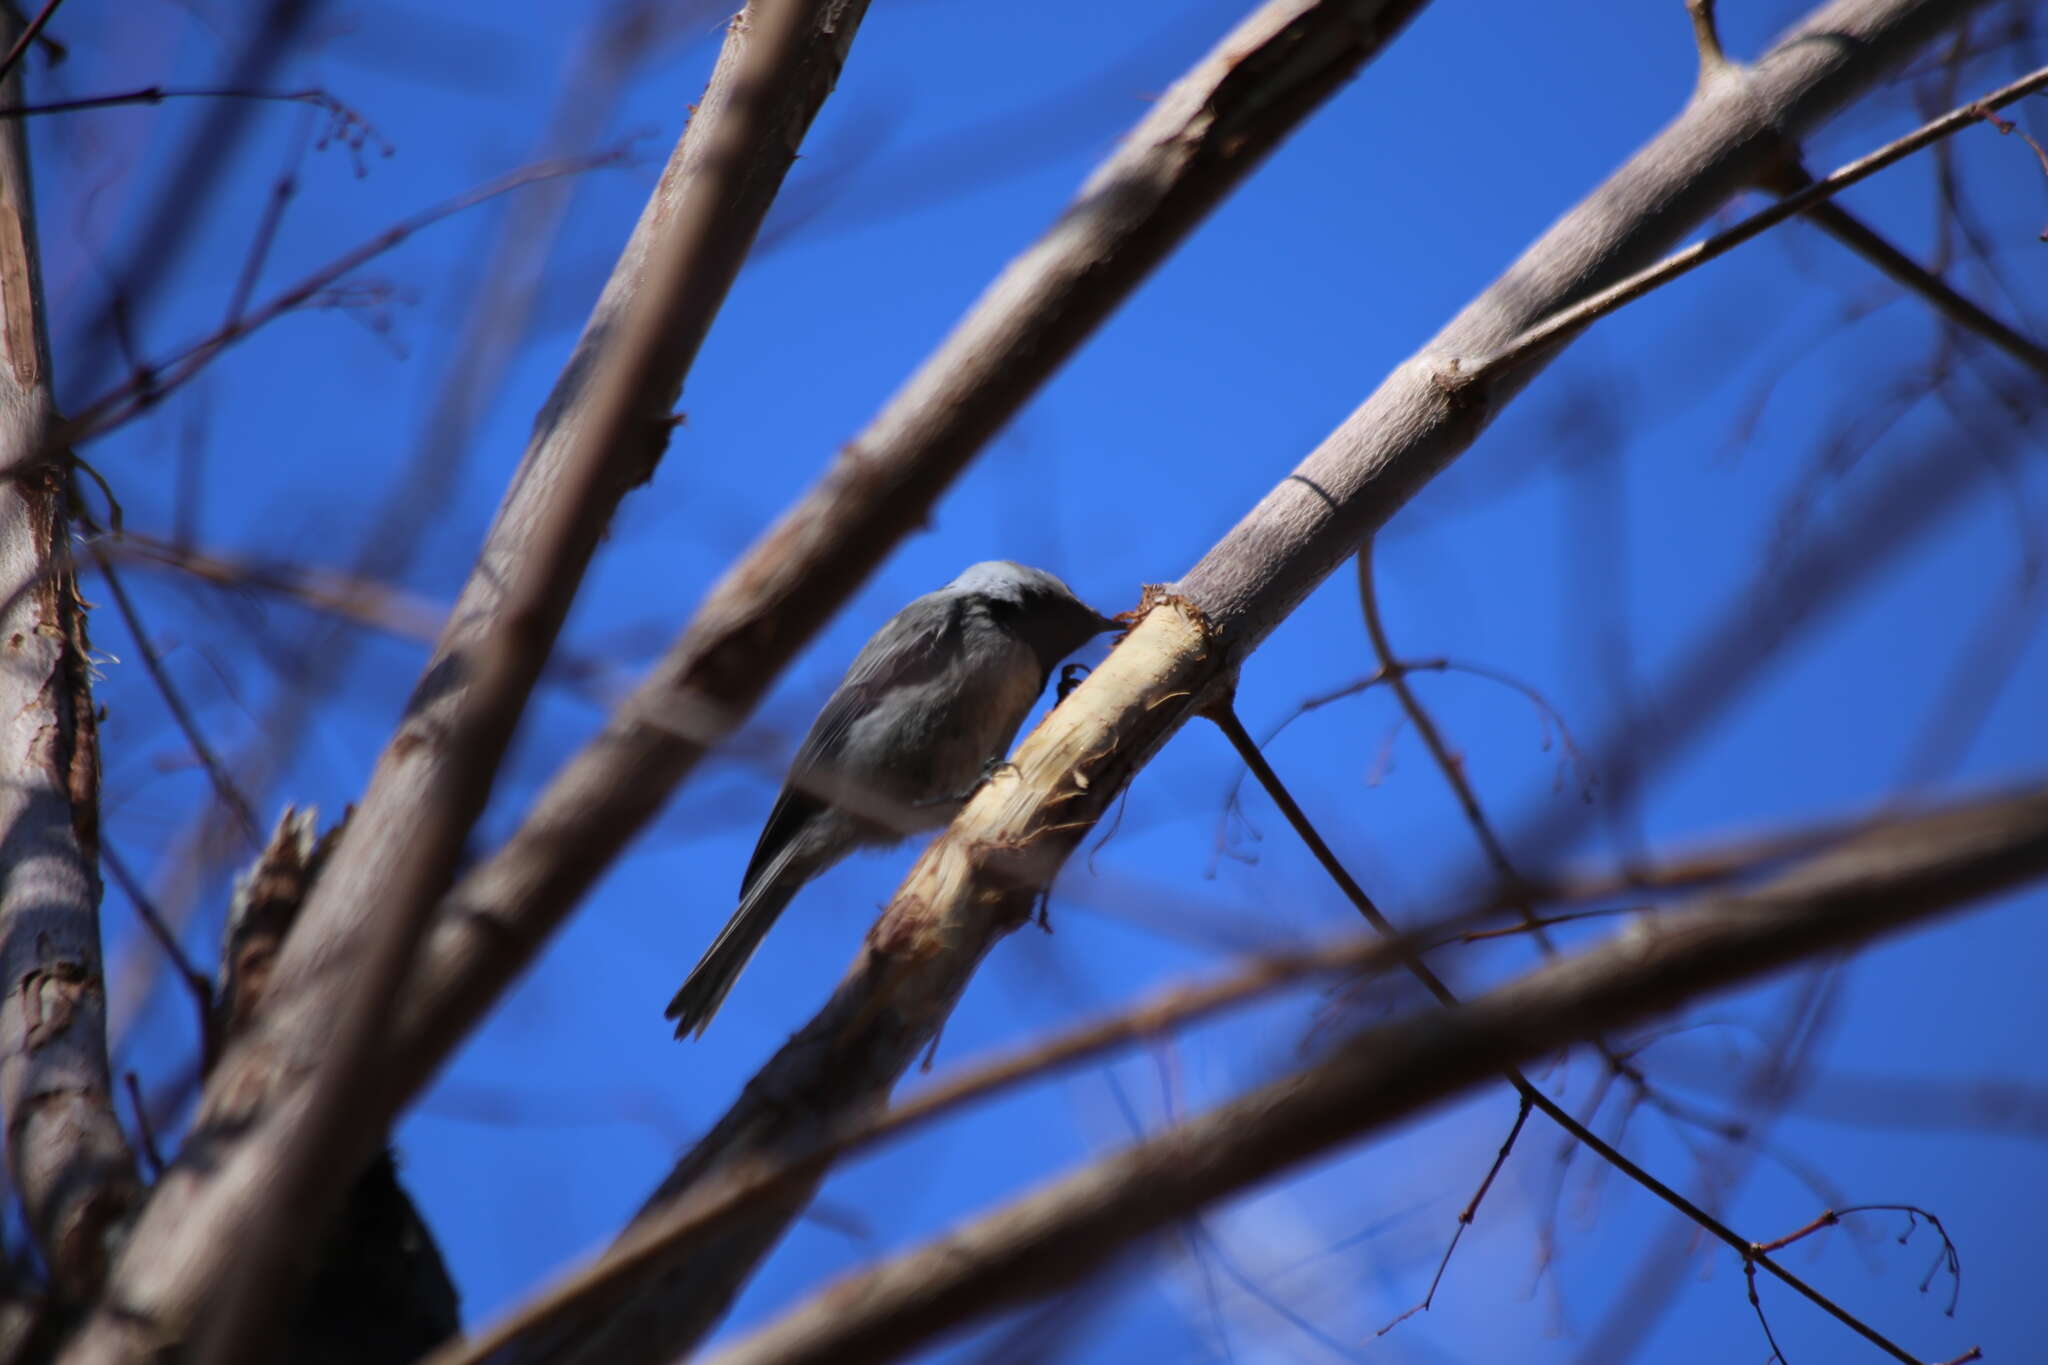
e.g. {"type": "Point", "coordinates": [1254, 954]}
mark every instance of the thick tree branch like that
{"type": "Point", "coordinates": [1071, 1228]}
{"type": "Point", "coordinates": [712, 1206]}
{"type": "Point", "coordinates": [979, 880]}
{"type": "Point", "coordinates": [230, 1226]}
{"type": "Point", "coordinates": [65, 1149]}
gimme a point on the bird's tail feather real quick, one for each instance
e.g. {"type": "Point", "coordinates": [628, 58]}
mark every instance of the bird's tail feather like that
{"type": "Point", "coordinates": [713, 976]}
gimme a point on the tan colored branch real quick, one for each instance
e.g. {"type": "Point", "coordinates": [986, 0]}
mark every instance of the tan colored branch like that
{"type": "Point", "coordinates": [290, 1104]}
{"type": "Point", "coordinates": [65, 1149]}
{"type": "Point", "coordinates": [977, 882]}
{"type": "Point", "coordinates": [1915, 871]}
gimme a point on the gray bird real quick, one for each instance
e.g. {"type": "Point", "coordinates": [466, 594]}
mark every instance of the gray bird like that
{"type": "Point", "coordinates": [930, 702]}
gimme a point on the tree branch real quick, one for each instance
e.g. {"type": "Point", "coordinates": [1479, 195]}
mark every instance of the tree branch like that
{"type": "Point", "coordinates": [715, 1205]}
{"type": "Point", "coordinates": [65, 1148]}
{"type": "Point", "coordinates": [229, 1227]}
{"type": "Point", "coordinates": [1069, 1229]}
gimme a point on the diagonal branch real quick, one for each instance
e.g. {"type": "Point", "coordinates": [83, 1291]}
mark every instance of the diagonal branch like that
{"type": "Point", "coordinates": [260, 1168]}
{"type": "Point", "coordinates": [1853, 233]}
{"type": "Point", "coordinates": [1551, 330]}
{"type": "Point", "coordinates": [223, 781]}
{"type": "Point", "coordinates": [1067, 1230]}
{"type": "Point", "coordinates": [65, 1149]}
{"type": "Point", "coordinates": [148, 386]}
{"type": "Point", "coordinates": [710, 1210]}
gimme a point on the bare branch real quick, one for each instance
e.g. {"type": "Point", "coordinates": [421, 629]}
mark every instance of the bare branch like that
{"type": "Point", "coordinates": [1551, 330]}
{"type": "Point", "coordinates": [716, 1204]}
{"type": "Point", "coordinates": [1198, 141]}
{"type": "Point", "coordinates": [1902, 269]}
{"type": "Point", "coordinates": [710, 1210]}
{"type": "Point", "coordinates": [149, 386]}
{"type": "Point", "coordinates": [66, 1152]}
{"type": "Point", "coordinates": [1072, 1227]}
{"type": "Point", "coordinates": [29, 33]}
{"type": "Point", "coordinates": [261, 1168]}
{"type": "Point", "coordinates": [223, 782]}
{"type": "Point", "coordinates": [267, 32]}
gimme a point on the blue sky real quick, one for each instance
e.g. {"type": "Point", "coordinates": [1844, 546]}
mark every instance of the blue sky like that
{"type": "Point", "coordinates": [1627, 504]}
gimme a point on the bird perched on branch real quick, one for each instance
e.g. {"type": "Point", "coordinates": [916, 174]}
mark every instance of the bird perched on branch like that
{"type": "Point", "coordinates": [929, 704]}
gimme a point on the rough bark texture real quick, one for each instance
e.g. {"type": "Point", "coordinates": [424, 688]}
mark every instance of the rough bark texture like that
{"type": "Point", "coordinates": [297, 1100]}
{"type": "Point", "coordinates": [976, 883]}
{"type": "Point", "coordinates": [68, 1157]}
{"type": "Point", "coordinates": [379, 1291]}
{"type": "Point", "coordinates": [1068, 1230]}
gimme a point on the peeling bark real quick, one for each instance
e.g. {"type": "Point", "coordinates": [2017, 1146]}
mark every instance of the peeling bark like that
{"type": "Point", "coordinates": [66, 1152]}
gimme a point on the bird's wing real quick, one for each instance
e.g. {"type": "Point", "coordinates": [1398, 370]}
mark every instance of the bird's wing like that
{"type": "Point", "coordinates": [912, 648]}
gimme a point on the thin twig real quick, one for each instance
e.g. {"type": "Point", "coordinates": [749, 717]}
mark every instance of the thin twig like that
{"type": "Point", "coordinates": [1548, 716]}
{"type": "Point", "coordinates": [27, 36]}
{"type": "Point", "coordinates": [1872, 246]}
{"type": "Point", "coordinates": [1226, 719]}
{"type": "Point", "coordinates": [196, 982]}
{"type": "Point", "coordinates": [1514, 886]}
{"type": "Point", "coordinates": [157, 94]}
{"type": "Point", "coordinates": [1949, 1259]}
{"type": "Point", "coordinates": [1598, 305]}
{"type": "Point", "coordinates": [144, 1129]}
{"type": "Point", "coordinates": [1447, 763]}
{"type": "Point", "coordinates": [1465, 1217]}
{"type": "Point", "coordinates": [223, 782]}
{"type": "Point", "coordinates": [281, 191]}
{"type": "Point", "coordinates": [1749, 1278]}
{"type": "Point", "coordinates": [148, 388]}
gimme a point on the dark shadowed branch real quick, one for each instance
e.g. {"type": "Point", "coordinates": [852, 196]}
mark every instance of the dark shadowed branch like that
{"type": "Point", "coordinates": [1055, 1237]}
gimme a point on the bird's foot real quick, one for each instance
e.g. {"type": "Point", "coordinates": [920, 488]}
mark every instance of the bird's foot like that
{"type": "Point", "coordinates": [990, 770]}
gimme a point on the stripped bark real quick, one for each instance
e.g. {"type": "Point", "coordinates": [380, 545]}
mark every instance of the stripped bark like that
{"type": "Point", "coordinates": [291, 1103]}
{"type": "Point", "coordinates": [979, 880]}
{"type": "Point", "coordinates": [65, 1149]}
